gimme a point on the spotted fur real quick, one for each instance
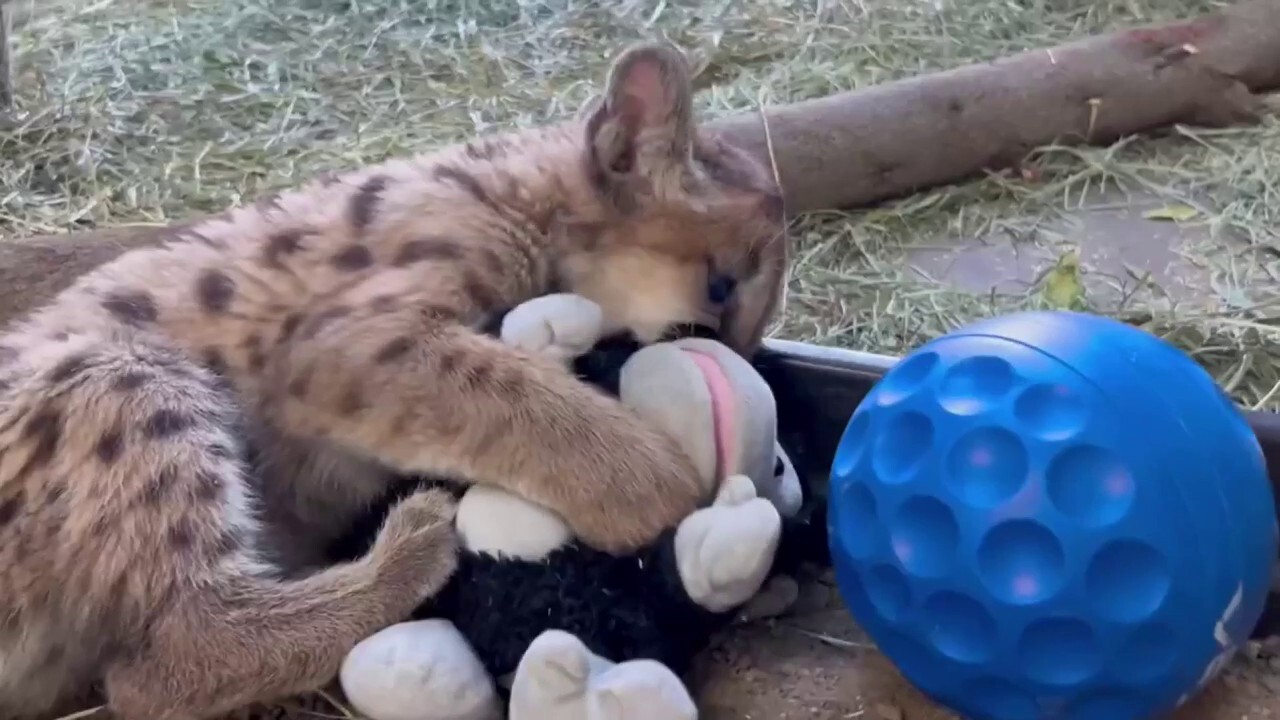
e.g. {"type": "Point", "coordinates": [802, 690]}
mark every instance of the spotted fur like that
{"type": "Point", "coordinates": [184, 430]}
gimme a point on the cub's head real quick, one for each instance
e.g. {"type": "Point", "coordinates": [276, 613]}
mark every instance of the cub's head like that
{"type": "Point", "coordinates": [692, 229]}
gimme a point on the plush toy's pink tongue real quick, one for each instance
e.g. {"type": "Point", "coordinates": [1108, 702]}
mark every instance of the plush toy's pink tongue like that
{"type": "Point", "coordinates": [721, 408]}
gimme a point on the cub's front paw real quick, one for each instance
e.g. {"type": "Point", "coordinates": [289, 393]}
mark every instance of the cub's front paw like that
{"type": "Point", "coordinates": [562, 326]}
{"type": "Point", "coordinates": [725, 551]}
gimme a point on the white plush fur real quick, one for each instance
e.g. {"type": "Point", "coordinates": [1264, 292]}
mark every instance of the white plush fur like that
{"type": "Point", "coordinates": [498, 523]}
{"type": "Point", "coordinates": [421, 670]}
{"type": "Point", "coordinates": [560, 679]}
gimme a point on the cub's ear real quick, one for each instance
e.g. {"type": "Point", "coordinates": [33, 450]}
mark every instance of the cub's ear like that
{"type": "Point", "coordinates": [642, 127]}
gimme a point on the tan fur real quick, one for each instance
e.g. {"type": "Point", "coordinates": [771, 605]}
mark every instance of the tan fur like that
{"type": "Point", "coordinates": [184, 429]}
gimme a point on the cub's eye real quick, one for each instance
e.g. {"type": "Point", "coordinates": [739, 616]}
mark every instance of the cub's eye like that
{"type": "Point", "coordinates": [779, 467]}
{"type": "Point", "coordinates": [719, 288]}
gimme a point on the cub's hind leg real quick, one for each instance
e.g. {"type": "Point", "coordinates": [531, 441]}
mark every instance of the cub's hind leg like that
{"type": "Point", "coordinates": [245, 639]}
{"type": "Point", "coordinates": [128, 542]}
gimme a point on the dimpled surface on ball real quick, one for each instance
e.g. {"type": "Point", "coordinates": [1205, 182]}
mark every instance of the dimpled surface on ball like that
{"type": "Point", "coordinates": [1052, 515]}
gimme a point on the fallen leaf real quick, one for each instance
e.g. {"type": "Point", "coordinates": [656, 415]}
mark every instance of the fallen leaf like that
{"type": "Point", "coordinates": [1175, 213]}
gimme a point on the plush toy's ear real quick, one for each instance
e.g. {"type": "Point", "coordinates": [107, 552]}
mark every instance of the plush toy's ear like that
{"type": "Point", "coordinates": [495, 522]}
{"type": "Point", "coordinates": [562, 325]}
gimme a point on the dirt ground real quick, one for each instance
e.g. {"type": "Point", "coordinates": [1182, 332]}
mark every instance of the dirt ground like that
{"type": "Point", "coordinates": [816, 663]}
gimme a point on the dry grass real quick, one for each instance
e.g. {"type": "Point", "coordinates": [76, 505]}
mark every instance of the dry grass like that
{"type": "Point", "coordinates": [145, 110]}
{"type": "Point", "coordinates": [142, 110]}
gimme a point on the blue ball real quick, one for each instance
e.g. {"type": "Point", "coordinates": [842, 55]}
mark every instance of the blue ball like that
{"type": "Point", "coordinates": [1052, 515]}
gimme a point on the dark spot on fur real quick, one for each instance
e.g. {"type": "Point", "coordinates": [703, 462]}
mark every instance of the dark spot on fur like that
{"type": "Point", "coordinates": [480, 290]}
{"type": "Point", "coordinates": [394, 350]}
{"type": "Point", "coordinates": [110, 445]}
{"type": "Point", "coordinates": [955, 106]}
{"type": "Point", "coordinates": [45, 429]}
{"type": "Point", "coordinates": [214, 290]}
{"type": "Point", "coordinates": [9, 509]}
{"type": "Point", "coordinates": [289, 326]}
{"type": "Point", "coordinates": [69, 367]}
{"type": "Point", "coordinates": [352, 400]}
{"type": "Point", "coordinates": [316, 323]}
{"type": "Point", "coordinates": [181, 535]}
{"type": "Point", "coordinates": [60, 336]}
{"type": "Point", "coordinates": [153, 493]}
{"type": "Point", "coordinates": [131, 380]}
{"type": "Point", "coordinates": [7, 355]}
{"type": "Point", "coordinates": [54, 495]}
{"type": "Point", "coordinates": [425, 249]}
{"type": "Point", "coordinates": [385, 303]}
{"type": "Point", "coordinates": [214, 360]}
{"type": "Point", "coordinates": [365, 201]}
{"type": "Point", "coordinates": [166, 423]}
{"type": "Point", "coordinates": [492, 262]}
{"type": "Point", "coordinates": [352, 258]}
{"type": "Point", "coordinates": [467, 182]}
{"type": "Point", "coordinates": [257, 358]}
{"type": "Point", "coordinates": [301, 383]}
{"type": "Point", "coordinates": [280, 245]}
{"type": "Point", "coordinates": [449, 361]}
{"type": "Point", "coordinates": [133, 307]}
{"type": "Point", "coordinates": [208, 485]}
{"type": "Point", "coordinates": [480, 373]}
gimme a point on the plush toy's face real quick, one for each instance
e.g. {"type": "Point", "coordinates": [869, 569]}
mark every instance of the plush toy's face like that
{"type": "Point", "coordinates": [710, 398]}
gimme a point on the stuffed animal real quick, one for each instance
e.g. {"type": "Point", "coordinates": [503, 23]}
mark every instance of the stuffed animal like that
{"type": "Point", "coordinates": [546, 616]}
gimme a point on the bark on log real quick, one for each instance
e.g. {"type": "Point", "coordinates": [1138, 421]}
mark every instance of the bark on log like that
{"type": "Point", "coordinates": [868, 145]}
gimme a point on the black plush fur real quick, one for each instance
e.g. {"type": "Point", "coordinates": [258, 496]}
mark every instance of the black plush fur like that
{"type": "Point", "coordinates": [622, 607]}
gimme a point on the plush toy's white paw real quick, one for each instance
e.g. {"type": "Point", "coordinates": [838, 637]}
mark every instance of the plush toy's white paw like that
{"type": "Point", "coordinates": [639, 690]}
{"type": "Point", "coordinates": [561, 325]}
{"type": "Point", "coordinates": [560, 678]}
{"type": "Point", "coordinates": [725, 551]}
{"type": "Point", "coordinates": [421, 670]}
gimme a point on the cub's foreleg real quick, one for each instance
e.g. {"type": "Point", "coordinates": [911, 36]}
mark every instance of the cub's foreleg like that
{"type": "Point", "coordinates": [426, 395]}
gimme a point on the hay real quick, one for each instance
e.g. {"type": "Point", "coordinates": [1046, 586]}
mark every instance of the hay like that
{"type": "Point", "coordinates": [143, 111]}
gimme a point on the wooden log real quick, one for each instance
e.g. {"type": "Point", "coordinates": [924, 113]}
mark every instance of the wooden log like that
{"type": "Point", "coordinates": [863, 146]}
{"type": "Point", "coordinates": [868, 145]}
